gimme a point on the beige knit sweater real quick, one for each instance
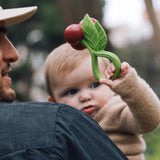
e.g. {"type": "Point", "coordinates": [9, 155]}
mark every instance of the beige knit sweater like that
{"type": "Point", "coordinates": [126, 120]}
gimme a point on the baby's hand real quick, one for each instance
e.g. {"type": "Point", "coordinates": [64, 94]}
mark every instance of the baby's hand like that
{"type": "Point", "coordinates": [125, 69]}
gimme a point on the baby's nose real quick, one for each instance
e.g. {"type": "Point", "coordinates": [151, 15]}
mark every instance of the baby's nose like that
{"type": "Point", "coordinates": [85, 96]}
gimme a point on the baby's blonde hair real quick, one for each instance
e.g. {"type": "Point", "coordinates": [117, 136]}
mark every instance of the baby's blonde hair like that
{"type": "Point", "coordinates": [60, 62]}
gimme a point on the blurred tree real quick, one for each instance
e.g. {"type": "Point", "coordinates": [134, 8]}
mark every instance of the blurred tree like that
{"type": "Point", "coordinates": [155, 25]}
{"type": "Point", "coordinates": [74, 11]}
{"type": "Point", "coordinates": [47, 20]}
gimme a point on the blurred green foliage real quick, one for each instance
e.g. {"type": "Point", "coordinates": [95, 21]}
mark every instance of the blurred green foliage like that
{"type": "Point", "coordinates": [153, 145]}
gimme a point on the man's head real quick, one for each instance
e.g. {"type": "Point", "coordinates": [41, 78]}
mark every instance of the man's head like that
{"type": "Point", "coordinates": [8, 53]}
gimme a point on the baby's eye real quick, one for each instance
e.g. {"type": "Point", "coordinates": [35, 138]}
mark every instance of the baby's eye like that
{"type": "Point", "coordinates": [71, 92]}
{"type": "Point", "coordinates": [95, 85]}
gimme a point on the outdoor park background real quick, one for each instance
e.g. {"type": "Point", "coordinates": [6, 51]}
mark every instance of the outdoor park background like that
{"type": "Point", "coordinates": [132, 27]}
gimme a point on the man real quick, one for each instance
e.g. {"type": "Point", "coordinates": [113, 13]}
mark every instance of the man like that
{"type": "Point", "coordinates": [8, 53]}
{"type": "Point", "coordinates": [43, 131]}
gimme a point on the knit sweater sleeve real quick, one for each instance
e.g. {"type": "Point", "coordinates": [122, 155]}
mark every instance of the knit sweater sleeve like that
{"type": "Point", "coordinates": [142, 112]}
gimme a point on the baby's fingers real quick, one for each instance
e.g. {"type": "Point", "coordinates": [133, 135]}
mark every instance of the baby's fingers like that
{"type": "Point", "coordinates": [110, 71]}
{"type": "Point", "coordinates": [125, 68]}
{"type": "Point", "coordinates": [106, 81]}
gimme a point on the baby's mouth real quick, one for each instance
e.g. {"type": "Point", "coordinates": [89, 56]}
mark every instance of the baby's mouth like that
{"type": "Point", "coordinates": [88, 109]}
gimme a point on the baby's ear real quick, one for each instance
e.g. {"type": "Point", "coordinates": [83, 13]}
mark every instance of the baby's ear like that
{"type": "Point", "coordinates": [51, 99]}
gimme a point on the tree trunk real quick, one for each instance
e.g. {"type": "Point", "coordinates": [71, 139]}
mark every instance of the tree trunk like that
{"type": "Point", "coordinates": [73, 11]}
{"type": "Point", "coordinates": [155, 25]}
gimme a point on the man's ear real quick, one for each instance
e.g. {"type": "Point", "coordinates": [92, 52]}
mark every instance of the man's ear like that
{"type": "Point", "coordinates": [51, 99]}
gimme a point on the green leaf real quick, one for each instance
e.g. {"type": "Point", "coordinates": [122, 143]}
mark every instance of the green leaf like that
{"type": "Point", "coordinates": [94, 34]}
{"type": "Point", "coordinates": [102, 42]}
{"type": "Point", "coordinates": [90, 32]}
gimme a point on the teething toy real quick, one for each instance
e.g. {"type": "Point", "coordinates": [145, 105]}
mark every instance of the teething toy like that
{"type": "Point", "coordinates": [90, 34]}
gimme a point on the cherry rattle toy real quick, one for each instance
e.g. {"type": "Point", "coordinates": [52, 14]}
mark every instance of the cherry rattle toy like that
{"type": "Point", "coordinates": [91, 35]}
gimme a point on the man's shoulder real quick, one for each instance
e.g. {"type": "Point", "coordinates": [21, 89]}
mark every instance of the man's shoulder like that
{"type": "Point", "coordinates": [28, 125]}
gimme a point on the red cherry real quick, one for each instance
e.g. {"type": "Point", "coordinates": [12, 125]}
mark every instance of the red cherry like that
{"type": "Point", "coordinates": [93, 20]}
{"type": "Point", "coordinates": [73, 33]}
{"type": "Point", "coordinates": [78, 46]}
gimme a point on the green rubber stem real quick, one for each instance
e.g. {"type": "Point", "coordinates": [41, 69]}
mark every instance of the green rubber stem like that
{"type": "Point", "coordinates": [112, 57]}
{"type": "Point", "coordinates": [95, 68]}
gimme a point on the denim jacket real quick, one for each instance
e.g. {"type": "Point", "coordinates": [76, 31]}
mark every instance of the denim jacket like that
{"type": "Point", "coordinates": [51, 131]}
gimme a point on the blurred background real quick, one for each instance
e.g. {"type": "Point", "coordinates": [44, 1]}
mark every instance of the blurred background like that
{"type": "Point", "coordinates": [132, 27]}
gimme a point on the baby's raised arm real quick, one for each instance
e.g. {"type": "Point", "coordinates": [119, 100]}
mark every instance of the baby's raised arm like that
{"type": "Point", "coordinates": [125, 69]}
{"type": "Point", "coordinates": [141, 100]}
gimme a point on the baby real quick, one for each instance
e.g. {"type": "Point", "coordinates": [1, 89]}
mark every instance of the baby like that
{"type": "Point", "coordinates": [125, 108]}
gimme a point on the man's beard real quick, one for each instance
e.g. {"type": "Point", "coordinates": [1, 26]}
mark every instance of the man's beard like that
{"type": "Point", "coordinates": [7, 95]}
{"type": "Point", "coordinates": [8, 99]}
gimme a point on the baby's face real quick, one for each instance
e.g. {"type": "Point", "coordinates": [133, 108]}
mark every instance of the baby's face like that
{"type": "Point", "coordinates": [81, 90]}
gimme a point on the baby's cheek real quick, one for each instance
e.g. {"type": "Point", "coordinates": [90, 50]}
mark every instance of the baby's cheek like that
{"type": "Point", "coordinates": [105, 96]}
{"type": "Point", "coordinates": [101, 100]}
{"type": "Point", "coordinates": [72, 102]}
